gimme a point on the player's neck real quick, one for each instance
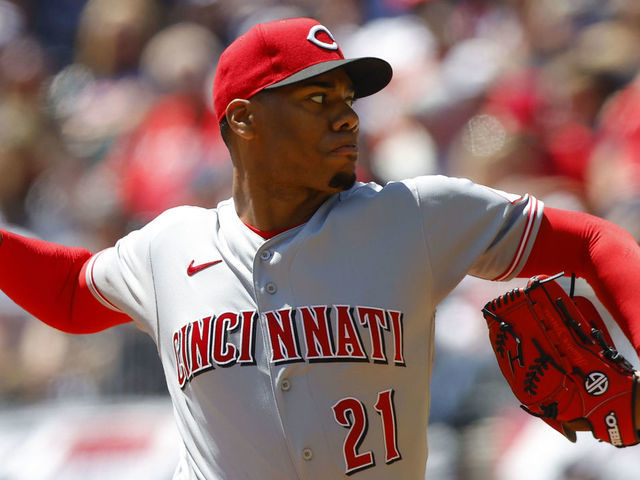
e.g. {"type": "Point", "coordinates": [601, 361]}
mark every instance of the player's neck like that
{"type": "Point", "coordinates": [263, 208]}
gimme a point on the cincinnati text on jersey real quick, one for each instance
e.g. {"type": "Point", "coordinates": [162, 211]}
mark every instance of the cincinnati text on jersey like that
{"type": "Point", "coordinates": [313, 334]}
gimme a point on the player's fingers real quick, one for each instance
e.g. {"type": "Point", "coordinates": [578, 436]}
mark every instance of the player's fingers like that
{"type": "Point", "coordinates": [578, 425]}
{"type": "Point", "coordinates": [569, 429]}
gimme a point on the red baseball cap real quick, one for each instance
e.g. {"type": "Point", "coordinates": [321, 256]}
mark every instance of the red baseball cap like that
{"type": "Point", "coordinates": [279, 53]}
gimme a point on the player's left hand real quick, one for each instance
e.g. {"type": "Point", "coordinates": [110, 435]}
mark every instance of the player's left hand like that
{"type": "Point", "coordinates": [558, 358]}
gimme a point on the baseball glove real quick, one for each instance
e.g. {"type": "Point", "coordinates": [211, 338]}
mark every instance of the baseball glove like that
{"type": "Point", "coordinates": [558, 357]}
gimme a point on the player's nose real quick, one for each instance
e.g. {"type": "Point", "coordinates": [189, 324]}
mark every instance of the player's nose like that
{"type": "Point", "coordinates": [346, 119]}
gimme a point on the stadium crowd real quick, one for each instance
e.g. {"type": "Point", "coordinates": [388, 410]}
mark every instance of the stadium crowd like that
{"type": "Point", "coordinates": [106, 120]}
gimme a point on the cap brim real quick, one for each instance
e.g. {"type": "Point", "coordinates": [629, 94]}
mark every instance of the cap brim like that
{"type": "Point", "coordinates": [368, 74]}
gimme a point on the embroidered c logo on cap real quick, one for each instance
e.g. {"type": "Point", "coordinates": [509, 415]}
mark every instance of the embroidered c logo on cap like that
{"type": "Point", "coordinates": [313, 39]}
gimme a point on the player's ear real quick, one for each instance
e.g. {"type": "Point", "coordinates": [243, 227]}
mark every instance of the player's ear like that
{"type": "Point", "coordinates": [240, 117]}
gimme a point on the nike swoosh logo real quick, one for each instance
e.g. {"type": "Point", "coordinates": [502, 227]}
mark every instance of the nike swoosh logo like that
{"type": "Point", "coordinates": [193, 269]}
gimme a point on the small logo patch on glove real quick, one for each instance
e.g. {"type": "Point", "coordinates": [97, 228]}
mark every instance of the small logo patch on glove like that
{"type": "Point", "coordinates": [596, 384]}
{"type": "Point", "coordinates": [612, 427]}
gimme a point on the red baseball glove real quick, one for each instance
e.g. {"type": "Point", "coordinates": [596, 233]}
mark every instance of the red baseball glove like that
{"type": "Point", "coordinates": [558, 357]}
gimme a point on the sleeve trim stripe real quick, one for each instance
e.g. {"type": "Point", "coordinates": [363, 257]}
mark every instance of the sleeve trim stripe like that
{"type": "Point", "coordinates": [524, 240]}
{"type": "Point", "coordinates": [93, 288]}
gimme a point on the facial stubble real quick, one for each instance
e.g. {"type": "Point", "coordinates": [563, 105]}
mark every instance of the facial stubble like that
{"type": "Point", "coordinates": [342, 181]}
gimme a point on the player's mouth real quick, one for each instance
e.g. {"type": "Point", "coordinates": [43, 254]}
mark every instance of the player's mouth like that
{"type": "Point", "coordinates": [349, 149]}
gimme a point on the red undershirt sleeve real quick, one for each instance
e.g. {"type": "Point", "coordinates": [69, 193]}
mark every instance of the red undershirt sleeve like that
{"type": "Point", "coordinates": [48, 281]}
{"type": "Point", "coordinates": [604, 254]}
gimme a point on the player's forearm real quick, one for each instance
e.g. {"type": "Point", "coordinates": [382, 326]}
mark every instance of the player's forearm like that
{"type": "Point", "coordinates": [44, 278]}
{"type": "Point", "coordinates": [602, 253]}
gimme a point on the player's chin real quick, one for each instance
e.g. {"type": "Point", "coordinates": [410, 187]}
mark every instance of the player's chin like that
{"type": "Point", "coordinates": [342, 181]}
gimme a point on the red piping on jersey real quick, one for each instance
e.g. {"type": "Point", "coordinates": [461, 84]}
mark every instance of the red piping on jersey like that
{"type": "Point", "coordinates": [524, 239]}
{"type": "Point", "coordinates": [93, 287]}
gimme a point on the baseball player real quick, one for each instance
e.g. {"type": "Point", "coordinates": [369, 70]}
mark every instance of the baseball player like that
{"type": "Point", "coordinates": [295, 320]}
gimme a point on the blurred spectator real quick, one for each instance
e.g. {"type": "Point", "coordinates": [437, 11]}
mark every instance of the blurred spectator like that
{"type": "Point", "coordinates": [176, 155]}
{"type": "Point", "coordinates": [112, 34]}
{"type": "Point", "coordinates": [25, 138]}
{"type": "Point", "coordinates": [614, 167]}
{"type": "Point", "coordinates": [54, 23]}
{"type": "Point", "coordinates": [92, 103]}
{"type": "Point", "coordinates": [12, 22]}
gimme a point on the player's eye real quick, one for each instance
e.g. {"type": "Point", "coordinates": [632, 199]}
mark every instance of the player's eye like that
{"type": "Point", "coordinates": [321, 98]}
{"type": "Point", "coordinates": [318, 98]}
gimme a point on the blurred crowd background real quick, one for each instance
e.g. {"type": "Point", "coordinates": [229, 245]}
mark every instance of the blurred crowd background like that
{"type": "Point", "coordinates": [106, 120]}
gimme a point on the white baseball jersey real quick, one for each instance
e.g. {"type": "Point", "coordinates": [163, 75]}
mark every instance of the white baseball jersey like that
{"type": "Point", "coordinates": [309, 355]}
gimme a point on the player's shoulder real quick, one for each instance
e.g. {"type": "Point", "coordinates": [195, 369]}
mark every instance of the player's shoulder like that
{"type": "Point", "coordinates": [439, 184]}
{"type": "Point", "coordinates": [183, 214]}
{"type": "Point", "coordinates": [175, 221]}
{"type": "Point", "coordinates": [364, 200]}
{"type": "Point", "coordinates": [439, 188]}
{"type": "Point", "coordinates": [429, 190]}
{"type": "Point", "coordinates": [416, 186]}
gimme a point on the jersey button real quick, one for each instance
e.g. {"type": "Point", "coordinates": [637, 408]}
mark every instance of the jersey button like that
{"type": "Point", "coordinates": [285, 386]}
{"type": "Point", "coordinates": [307, 454]}
{"type": "Point", "coordinates": [265, 255]}
{"type": "Point", "coordinates": [271, 288]}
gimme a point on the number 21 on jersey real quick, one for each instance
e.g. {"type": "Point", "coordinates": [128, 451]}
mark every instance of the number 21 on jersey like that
{"type": "Point", "coordinates": [351, 413]}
